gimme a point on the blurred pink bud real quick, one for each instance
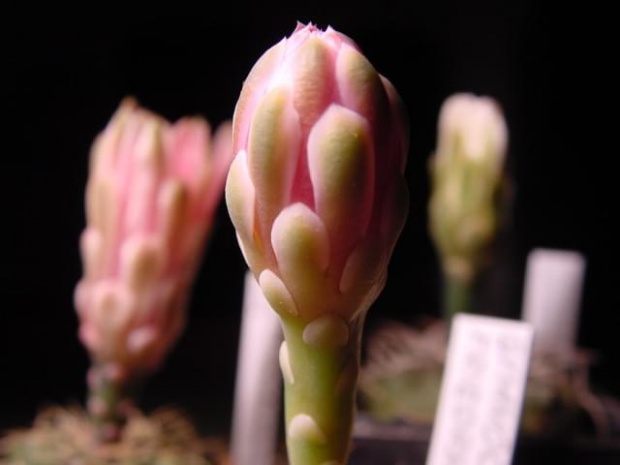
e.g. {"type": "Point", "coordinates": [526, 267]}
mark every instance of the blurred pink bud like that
{"type": "Point", "coordinates": [150, 199]}
{"type": "Point", "coordinates": [316, 191]}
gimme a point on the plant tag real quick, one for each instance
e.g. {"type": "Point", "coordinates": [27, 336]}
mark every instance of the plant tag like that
{"type": "Point", "coordinates": [552, 298]}
{"type": "Point", "coordinates": [258, 384]}
{"type": "Point", "coordinates": [482, 392]}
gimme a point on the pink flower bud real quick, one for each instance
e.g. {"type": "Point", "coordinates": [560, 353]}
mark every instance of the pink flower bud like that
{"type": "Point", "coordinates": [150, 200]}
{"type": "Point", "coordinates": [316, 191]}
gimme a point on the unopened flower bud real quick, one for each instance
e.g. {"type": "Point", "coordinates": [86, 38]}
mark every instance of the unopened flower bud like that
{"type": "Point", "coordinates": [467, 174]}
{"type": "Point", "coordinates": [316, 191]}
{"type": "Point", "coordinates": [150, 199]}
{"type": "Point", "coordinates": [317, 196]}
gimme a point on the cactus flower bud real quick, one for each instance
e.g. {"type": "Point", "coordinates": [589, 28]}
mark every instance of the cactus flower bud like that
{"type": "Point", "coordinates": [150, 198]}
{"type": "Point", "coordinates": [318, 199]}
{"type": "Point", "coordinates": [467, 173]}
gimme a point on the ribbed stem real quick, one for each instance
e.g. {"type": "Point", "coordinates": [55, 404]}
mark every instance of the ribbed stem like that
{"type": "Point", "coordinates": [320, 384]}
{"type": "Point", "coordinates": [457, 296]}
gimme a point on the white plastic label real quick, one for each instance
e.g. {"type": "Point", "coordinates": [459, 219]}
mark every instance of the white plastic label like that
{"type": "Point", "coordinates": [258, 384]}
{"type": "Point", "coordinates": [552, 298]}
{"type": "Point", "coordinates": [482, 392]}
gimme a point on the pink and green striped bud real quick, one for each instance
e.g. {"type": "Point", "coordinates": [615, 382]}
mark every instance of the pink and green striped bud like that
{"type": "Point", "coordinates": [316, 191]}
{"type": "Point", "coordinates": [150, 199]}
{"type": "Point", "coordinates": [318, 199]}
{"type": "Point", "coordinates": [467, 174]}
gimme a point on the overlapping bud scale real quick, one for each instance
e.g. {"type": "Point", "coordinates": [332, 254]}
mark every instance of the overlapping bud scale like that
{"type": "Point", "coordinates": [151, 195]}
{"type": "Point", "coordinates": [316, 191]}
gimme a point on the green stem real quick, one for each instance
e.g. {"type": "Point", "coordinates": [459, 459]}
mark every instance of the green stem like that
{"type": "Point", "coordinates": [457, 296]}
{"type": "Point", "coordinates": [109, 403]}
{"type": "Point", "coordinates": [320, 382]}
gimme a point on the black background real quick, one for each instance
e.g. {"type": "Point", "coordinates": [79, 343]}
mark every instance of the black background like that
{"type": "Point", "coordinates": [64, 71]}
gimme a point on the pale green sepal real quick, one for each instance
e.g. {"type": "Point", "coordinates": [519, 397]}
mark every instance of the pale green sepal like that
{"type": "Point", "coordinates": [301, 245]}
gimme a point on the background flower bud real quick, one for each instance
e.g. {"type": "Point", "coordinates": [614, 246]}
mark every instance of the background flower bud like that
{"type": "Point", "coordinates": [466, 171]}
{"type": "Point", "coordinates": [150, 199]}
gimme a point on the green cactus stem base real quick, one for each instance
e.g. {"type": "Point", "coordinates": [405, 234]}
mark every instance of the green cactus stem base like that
{"type": "Point", "coordinates": [402, 375]}
{"type": "Point", "coordinates": [62, 436]}
{"type": "Point", "coordinates": [457, 296]}
{"type": "Point", "coordinates": [320, 365]}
